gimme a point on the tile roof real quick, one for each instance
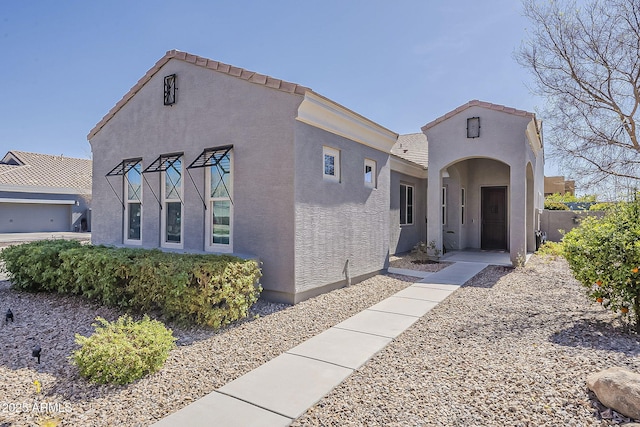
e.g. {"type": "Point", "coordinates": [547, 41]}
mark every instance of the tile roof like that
{"type": "Point", "coordinates": [241, 73]}
{"type": "Point", "coordinates": [476, 103]}
{"type": "Point", "coordinates": [412, 147]}
{"type": "Point", "coordinates": [45, 171]}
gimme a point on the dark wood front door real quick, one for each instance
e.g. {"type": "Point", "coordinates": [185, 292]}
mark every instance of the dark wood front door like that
{"type": "Point", "coordinates": [493, 234]}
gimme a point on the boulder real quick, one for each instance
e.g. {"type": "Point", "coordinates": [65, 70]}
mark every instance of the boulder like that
{"type": "Point", "coordinates": [618, 389]}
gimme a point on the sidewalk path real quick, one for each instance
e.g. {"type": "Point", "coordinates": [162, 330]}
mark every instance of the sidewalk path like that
{"type": "Point", "coordinates": [281, 390]}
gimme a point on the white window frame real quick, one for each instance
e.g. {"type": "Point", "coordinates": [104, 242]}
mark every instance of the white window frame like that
{"type": "Point", "coordinates": [463, 201]}
{"type": "Point", "coordinates": [209, 245]}
{"type": "Point", "coordinates": [328, 151]}
{"type": "Point", "coordinates": [407, 205]}
{"type": "Point", "coordinates": [443, 201]}
{"type": "Point", "coordinates": [373, 183]}
{"type": "Point", "coordinates": [127, 202]}
{"type": "Point", "coordinates": [165, 201]}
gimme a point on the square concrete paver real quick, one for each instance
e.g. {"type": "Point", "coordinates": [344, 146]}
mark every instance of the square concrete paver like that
{"type": "Point", "coordinates": [406, 306]}
{"type": "Point", "coordinates": [457, 274]}
{"type": "Point", "coordinates": [442, 286]}
{"type": "Point", "coordinates": [424, 293]}
{"type": "Point", "coordinates": [288, 384]}
{"type": "Point", "coordinates": [217, 409]}
{"type": "Point", "coordinates": [388, 325]}
{"type": "Point", "coordinates": [345, 348]}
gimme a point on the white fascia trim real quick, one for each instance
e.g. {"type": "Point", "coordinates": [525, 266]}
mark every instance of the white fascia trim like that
{"type": "Point", "coordinates": [44, 190]}
{"type": "Point", "coordinates": [38, 201]}
{"type": "Point", "coordinates": [533, 137]}
{"type": "Point", "coordinates": [320, 112]}
{"type": "Point", "coordinates": [400, 165]}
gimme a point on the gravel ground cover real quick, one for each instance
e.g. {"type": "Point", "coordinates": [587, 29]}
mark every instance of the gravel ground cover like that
{"type": "Point", "coordinates": [510, 348]}
{"type": "Point", "coordinates": [203, 361]}
{"type": "Point", "coordinates": [408, 261]}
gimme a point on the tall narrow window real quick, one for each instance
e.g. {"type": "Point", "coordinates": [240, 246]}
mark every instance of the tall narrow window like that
{"type": "Point", "coordinates": [331, 164]}
{"type": "Point", "coordinates": [133, 204]}
{"type": "Point", "coordinates": [172, 187]}
{"type": "Point", "coordinates": [370, 173]}
{"type": "Point", "coordinates": [406, 204]}
{"type": "Point", "coordinates": [220, 202]}
{"type": "Point", "coordinates": [444, 205]}
{"type": "Point", "coordinates": [463, 201]}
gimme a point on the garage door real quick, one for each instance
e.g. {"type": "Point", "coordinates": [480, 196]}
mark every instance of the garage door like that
{"type": "Point", "coordinates": [33, 218]}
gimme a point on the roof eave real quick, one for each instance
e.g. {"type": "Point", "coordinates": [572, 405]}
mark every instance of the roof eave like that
{"type": "Point", "coordinates": [323, 113]}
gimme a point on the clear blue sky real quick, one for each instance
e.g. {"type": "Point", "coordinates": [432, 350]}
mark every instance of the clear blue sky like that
{"type": "Point", "coordinates": [401, 63]}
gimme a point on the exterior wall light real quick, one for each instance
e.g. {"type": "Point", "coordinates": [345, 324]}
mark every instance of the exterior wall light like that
{"type": "Point", "coordinates": [8, 316]}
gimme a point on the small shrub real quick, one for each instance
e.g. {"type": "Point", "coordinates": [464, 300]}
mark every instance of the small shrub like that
{"type": "Point", "coordinates": [123, 351]}
{"type": "Point", "coordinates": [602, 206]}
{"type": "Point", "coordinates": [426, 251]}
{"type": "Point", "coordinates": [551, 249]}
{"type": "Point", "coordinates": [555, 206]}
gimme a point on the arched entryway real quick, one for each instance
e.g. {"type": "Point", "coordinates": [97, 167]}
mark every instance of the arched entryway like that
{"type": "Point", "coordinates": [474, 210]}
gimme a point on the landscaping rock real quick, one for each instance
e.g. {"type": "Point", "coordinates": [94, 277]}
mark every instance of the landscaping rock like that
{"type": "Point", "coordinates": [618, 389]}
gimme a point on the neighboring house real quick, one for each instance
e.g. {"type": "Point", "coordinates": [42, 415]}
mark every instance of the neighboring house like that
{"type": "Point", "coordinates": [44, 193]}
{"type": "Point", "coordinates": [558, 185]}
{"type": "Point", "coordinates": [203, 156]}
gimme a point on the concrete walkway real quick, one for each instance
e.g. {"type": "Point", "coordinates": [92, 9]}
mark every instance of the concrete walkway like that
{"type": "Point", "coordinates": [281, 390]}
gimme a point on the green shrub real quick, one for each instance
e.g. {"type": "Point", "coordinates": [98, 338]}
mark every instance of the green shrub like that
{"type": "Point", "coordinates": [34, 266]}
{"type": "Point", "coordinates": [551, 249]}
{"type": "Point", "coordinates": [602, 206]}
{"type": "Point", "coordinates": [123, 351]}
{"type": "Point", "coordinates": [604, 255]}
{"type": "Point", "coordinates": [555, 206]}
{"type": "Point", "coordinates": [212, 290]}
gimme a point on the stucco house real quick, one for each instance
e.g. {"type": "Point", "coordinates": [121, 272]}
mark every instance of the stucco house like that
{"type": "Point", "coordinates": [44, 193]}
{"type": "Point", "coordinates": [203, 156]}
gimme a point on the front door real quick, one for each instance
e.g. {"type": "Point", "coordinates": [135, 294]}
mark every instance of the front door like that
{"type": "Point", "coordinates": [493, 233]}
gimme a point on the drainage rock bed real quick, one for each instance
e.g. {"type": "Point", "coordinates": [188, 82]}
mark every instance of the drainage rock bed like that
{"type": "Point", "coordinates": [204, 360]}
{"type": "Point", "coordinates": [511, 347]}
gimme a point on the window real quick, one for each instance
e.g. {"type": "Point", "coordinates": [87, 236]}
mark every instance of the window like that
{"type": "Point", "coordinates": [463, 200]}
{"type": "Point", "coordinates": [473, 127]}
{"type": "Point", "coordinates": [370, 173]}
{"type": "Point", "coordinates": [170, 89]}
{"type": "Point", "coordinates": [220, 202]}
{"type": "Point", "coordinates": [133, 204]}
{"type": "Point", "coordinates": [331, 164]}
{"type": "Point", "coordinates": [444, 205]}
{"type": "Point", "coordinates": [172, 188]}
{"type": "Point", "coordinates": [406, 204]}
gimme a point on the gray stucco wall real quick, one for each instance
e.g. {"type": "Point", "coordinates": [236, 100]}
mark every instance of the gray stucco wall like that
{"type": "Point", "coordinates": [338, 223]}
{"type": "Point", "coordinates": [212, 109]}
{"type": "Point", "coordinates": [403, 238]}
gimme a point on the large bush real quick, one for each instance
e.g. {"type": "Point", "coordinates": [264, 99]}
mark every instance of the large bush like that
{"type": "Point", "coordinates": [604, 255]}
{"type": "Point", "coordinates": [212, 290]}
{"type": "Point", "coordinates": [123, 351]}
{"type": "Point", "coordinates": [34, 266]}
